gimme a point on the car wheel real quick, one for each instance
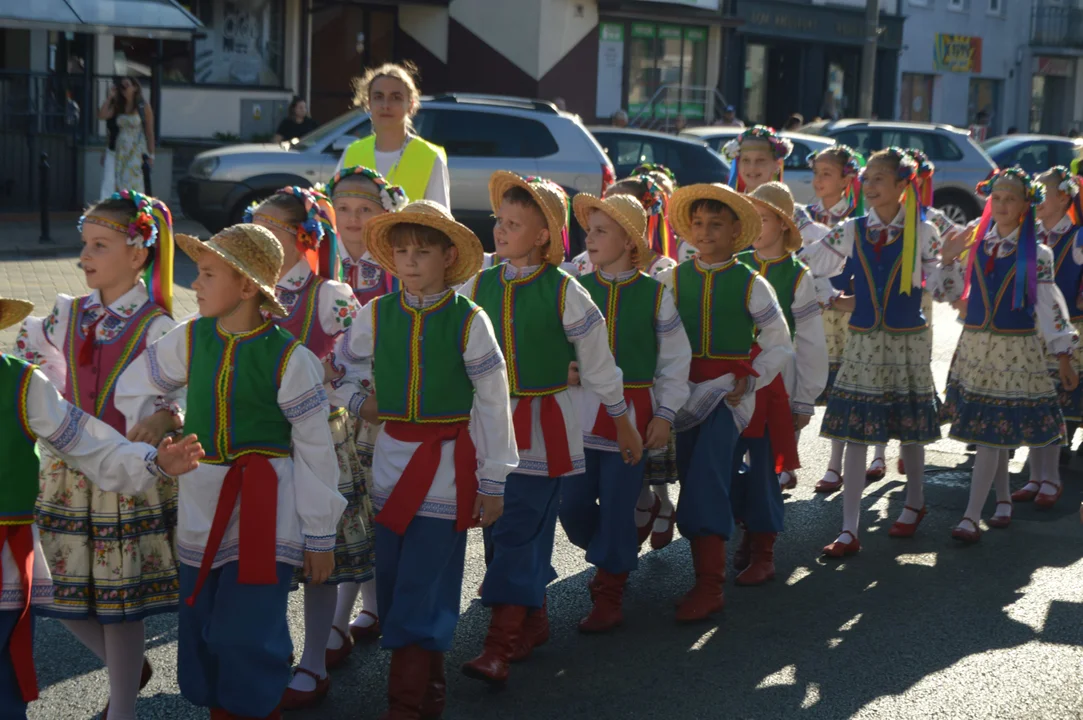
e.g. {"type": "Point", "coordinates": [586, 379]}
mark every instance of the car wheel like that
{"type": "Point", "coordinates": [957, 207]}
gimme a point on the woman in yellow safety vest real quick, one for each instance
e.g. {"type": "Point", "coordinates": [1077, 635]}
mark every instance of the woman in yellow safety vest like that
{"type": "Point", "coordinates": [391, 96]}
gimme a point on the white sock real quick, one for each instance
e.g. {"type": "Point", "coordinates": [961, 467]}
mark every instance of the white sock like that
{"type": "Point", "coordinates": [368, 604]}
{"type": "Point", "coordinates": [644, 505]}
{"type": "Point", "coordinates": [784, 477]}
{"type": "Point", "coordinates": [853, 485]}
{"type": "Point", "coordinates": [1050, 467]}
{"type": "Point", "coordinates": [835, 462]}
{"type": "Point", "coordinates": [1036, 460]}
{"type": "Point", "coordinates": [986, 466]}
{"type": "Point", "coordinates": [88, 632]}
{"type": "Point", "coordinates": [665, 509]}
{"type": "Point", "coordinates": [879, 452]}
{"type": "Point", "coordinates": [1002, 485]}
{"type": "Point", "coordinates": [347, 596]}
{"type": "Point", "coordinates": [124, 650]}
{"type": "Point", "coordinates": [320, 601]}
{"type": "Point", "coordinates": [914, 458]}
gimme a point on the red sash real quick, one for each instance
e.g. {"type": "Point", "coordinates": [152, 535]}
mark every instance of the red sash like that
{"type": "Point", "coordinates": [416, 481]}
{"type": "Point", "coordinates": [555, 433]}
{"type": "Point", "coordinates": [704, 369]}
{"type": "Point", "coordinates": [637, 397]}
{"type": "Point", "coordinates": [20, 539]}
{"type": "Point", "coordinates": [252, 479]}
{"type": "Point", "coordinates": [774, 415]}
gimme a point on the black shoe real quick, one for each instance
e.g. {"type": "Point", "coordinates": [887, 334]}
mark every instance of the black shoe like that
{"type": "Point", "coordinates": [971, 447]}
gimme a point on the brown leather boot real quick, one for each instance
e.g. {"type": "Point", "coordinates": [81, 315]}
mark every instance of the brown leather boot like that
{"type": "Point", "coordinates": [492, 666]}
{"type": "Point", "coordinates": [432, 706]}
{"type": "Point", "coordinates": [608, 595]}
{"type": "Point", "coordinates": [406, 683]}
{"type": "Point", "coordinates": [743, 556]}
{"type": "Point", "coordinates": [706, 597]}
{"type": "Point", "coordinates": [535, 632]}
{"type": "Point", "coordinates": [761, 569]}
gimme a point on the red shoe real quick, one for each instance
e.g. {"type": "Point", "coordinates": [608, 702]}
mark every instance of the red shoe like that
{"type": "Point", "coordinates": [1045, 501]}
{"type": "Point", "coordinates": [493, 664]}
{"type": "Point", "coordinates": [535, 631]}
{"type": "Point", "coordinates": [706, 596]}
{"type": "Point", "coordinates": [1024, 495]}
{"type": "Point", "coordinates": [761, 568]}
{"type": "Point", "coordinates": [407, 682]}
{"type": "Point", "coordinates": [874, 473]}
{"type": "Point", "coordinates": [366, 635]}
{"type": "Point", "coordinates": [304, 699]}
{"type": "Point", "coordinates": [144, 678]}
{"type": "Point", "coordinates": [968, 537]}
{"type": "Point", "coordinates": [435, 698]}
{"type": "Point", "coordinates": [606, 613]}
{"type": "Point", "coordinates": [829, 486]}
{"type": "Point", "coordinates": [334, 658]}
{"type": "Point", "coordinates": [901, 466]}
{"type": "Point", "coordinates": [842, 549]}
{"type": "Point", "coordinates": [742, 557]}
{"type": "Point", "coordinates": [660, 539]}
{"type": "Point", "coordinates": [1000, 521]}
{"type": "Point", "coordinates": [905, 530]}
{"type": "Point", "coordinates": [645, 532]}
{"type": "Point", "coordinates": [791, 483]}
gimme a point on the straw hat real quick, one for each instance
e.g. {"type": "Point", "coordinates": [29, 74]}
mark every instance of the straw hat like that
{"type": "Point", "coordinates": [549, 196]}
{"type": "Point", "coordinates": [777, 198]}
{"type": "Point", "coordinates": [624, 209]}
{"type": "Point", "coordinates": [251, 250]}
{"type": "Point", "coordinates": [434, 215]}
{"type": "Point", "coordinates": [13, 311]}
{"type": "Point", "coordinates": [680, 211]}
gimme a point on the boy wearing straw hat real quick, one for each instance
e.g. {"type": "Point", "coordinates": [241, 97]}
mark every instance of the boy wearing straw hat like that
{"type": "Point", "coordinates": [437, 368]}
{"type": "Point", "coordinates": [545, 321]}
{"type": "Point", "coordinates": [265, 499]}
{"type": "Point", "coordinates": [740, 342]}
{"type": "Point", "coordinates": [787, 404]}
{"type": "Point", "coordinates": [652, 351]}
{"type": "Point", "coordinates": [35, 412]}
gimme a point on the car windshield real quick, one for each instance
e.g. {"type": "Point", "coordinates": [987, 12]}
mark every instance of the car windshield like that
{"type": "Point", "coordinates": [992, 145]}
{"type": "Point", "coordinates": [319, 137]}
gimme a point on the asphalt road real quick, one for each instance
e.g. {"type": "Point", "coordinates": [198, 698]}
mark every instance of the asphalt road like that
{"type": "Point", "coordinates": [918, 628]}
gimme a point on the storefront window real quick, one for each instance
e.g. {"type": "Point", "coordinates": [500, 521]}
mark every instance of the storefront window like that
{"type": "Point", "coordinates": [664, 61]}
{"type": "Point", "coordinates": [916, 98]}
{"type": "Point", "coordinates": [242, 43]}
{"type": "Point", "coordinates": [984, 97]}
{"type": "Point", "coordinates": [755, 100]}
{"type": "Point", "coordinates": [134, 57]}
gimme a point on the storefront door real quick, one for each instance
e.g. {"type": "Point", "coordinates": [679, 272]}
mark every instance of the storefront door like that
{"type": "Point", "coordinates": [664, 61]}
{"type": "Point", "coordinates": [345, 40]}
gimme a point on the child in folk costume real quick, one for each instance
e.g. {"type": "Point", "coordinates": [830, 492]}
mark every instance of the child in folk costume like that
{"type": "Point", "coordinates": [111, 554]}
{"type": "Point", "coordinates": [447, 443]}
{"type": "Point", "coordinates": [35, 412]}
{"type": "Point", "coordinates": [319, 311]}
{"type": "Point", "coordinates": [788, 403]}
{"type": "Point", "coordinates": [740, 342]}
{"type": "Point", "coordinates": [652, 351]}
{"type": "Point", "coordinates": [544, 320]}
{"type": "Point", "coordinates": [999, 394]}
{"type": "Point", "coordinates": [265, 499]}
{"type": "Point", "coordinates": [360, 194]}
{"type": "Point", "coordinates": [668, 182]}
{"type": "Point", "coordinates": [884, 388]}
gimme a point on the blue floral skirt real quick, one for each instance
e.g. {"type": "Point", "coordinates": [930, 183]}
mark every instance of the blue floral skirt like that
{"type": "Point", "coordinates": [884, 391]}
{"type": "Point", "coordinates": [1000, 394]}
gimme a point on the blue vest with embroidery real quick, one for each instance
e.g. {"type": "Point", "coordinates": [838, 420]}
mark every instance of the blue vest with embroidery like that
{"type": "Point", "coordinates": [995, 291]}
{"type": "Point", "coordinates": [880, 305]}
{"type": "Point", "coordinates": [1069, 273]}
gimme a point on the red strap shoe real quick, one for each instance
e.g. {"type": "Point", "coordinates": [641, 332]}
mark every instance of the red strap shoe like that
{"type": "Point", "coordinates": [334, 658]}
{"type": "Point", "coordinates": [644, 532]}
{"type": "Point", "coordinates": [1025, 495]}
{"type": "Point", "coordinates": [365, 635]}
{"type": "Point", "coordinates": [1045, 501]}
{"type": "Point", "coordinates": [303, 699]}
{"type": "Point", "coordinates": [904, 530]}
{"type": "Point", "coordinates": [965, 536]}
{"type": "Point", "coordinates": [791, 482]}
{"type": "Point", "coordinates": [842, 549]}
{"type": "Point", "coordinates": [1000, 521]}
{"type": "Point", "coordinates": [660, 539]}
{"type": "Point", "coordinates": [829, 486]}
{"type": "Point", "coordinates": [876, 472]}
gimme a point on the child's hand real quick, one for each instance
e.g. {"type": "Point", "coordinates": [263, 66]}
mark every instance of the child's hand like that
{"type": "Point", "coordinates": [734, 396]}
{"type": "Point", "coordinates": [800, 422]}
{"type": "Point", "coordinates": [1069, 378]}
{"type": "Point", "coordinates": [628, 439]}
{"type": "Point", "coordinates": [954, 244]}
{"type": "Point", "coordinates": [844, 303]}
{"type": "Point", "coordinates": [657, 433]}
{"type": "Point", "coordinates": [573, 373]}
{"type": "Point", "coordinates": [177, 458]}
{"type": "Point", "coordinates": [319, 566]}
{"type": "Point", "coordinates": [151, 430]}
{"type": "Point", "coordinates": [487, 509]}
{"type": "Point", "coordinates": [369, 411]}
{"type": "Point", "coordinates": [330, 372]}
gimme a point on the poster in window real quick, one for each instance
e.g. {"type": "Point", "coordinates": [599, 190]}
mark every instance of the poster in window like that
{"type": "Point", "coordinates": [610, 69]}
{"type": "Point", "coordinates": [242, 44]}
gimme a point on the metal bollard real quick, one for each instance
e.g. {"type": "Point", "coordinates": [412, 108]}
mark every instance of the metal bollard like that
{"type": "Point", "coordinates": [43, 197]}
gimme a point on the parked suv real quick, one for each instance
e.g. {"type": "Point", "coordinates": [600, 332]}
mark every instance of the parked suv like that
{"type": "Point", "coordinates": [960, 162]}
{"type": "Point", "coordinates": [480, 133]}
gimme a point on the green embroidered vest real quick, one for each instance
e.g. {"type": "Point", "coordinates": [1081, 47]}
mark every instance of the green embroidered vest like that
{"type": "Point", "coordinates": [528, 317]}
{"type": "Point", "coordinates": [630, 308]}
{"type": "Point", "coordinates": [18, 448]}
{"type": "Point", "coordinates": [783, 273]}
{"type": "Point", "coordinates": [233, 383]}
{"type": "Point", "coordinates": [418, 366]}
{"type": "Point", "coordinates": [713, 305]}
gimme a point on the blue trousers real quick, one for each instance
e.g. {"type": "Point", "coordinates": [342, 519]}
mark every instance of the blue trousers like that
{"type": "Point", "coordinates": [419, 582]}
{"type": "Point", "coordinates": [705, 456]}
{"type": "Point", "coordinates": [12, 706]}
{"type": "Point", "coordinates": [755, 495]}
{"type": "Point", "coordinates": [519, 546]}
{"type": "Point", "coordinates": [597, 510]}
{"type": "Point", "coordinates": [234, 644]}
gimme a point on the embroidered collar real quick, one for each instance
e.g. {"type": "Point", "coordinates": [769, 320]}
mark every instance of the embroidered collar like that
{"type": "Point", "coordinates": [619, 277]}
{"type": "Point", "coordinates": [513, 273]}
{"type": "Point", "coordinates": [1063, 226]}
{"type": "Point", "coordinates": [769, 261]}
{"type": "Point", "coordinates": [123, 307]}
{"type": "Point", "coordinates": [998, 246]}
{"type": "Point", "coordinates": [348, 261]}
{"type": "Point", "coordinates": [420, 303]}
{"type": "Point", "coordinates": [836, 211]}
{"type": "Point", "coordinates": [296, 278]}
{"type": "Point", "coordinates": [875, 223]}
{"type": "Point", "coordinates": [715, 266]}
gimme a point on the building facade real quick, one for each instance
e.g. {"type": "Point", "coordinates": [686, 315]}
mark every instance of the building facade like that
{"type": "Point", "coordinates": [1054, 63]}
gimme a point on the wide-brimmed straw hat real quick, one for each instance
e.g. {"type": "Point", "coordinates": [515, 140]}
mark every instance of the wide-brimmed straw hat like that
{"type": "Point", "coordinates": [251, 250]}
{"type": "Point", "coordinates": [680, 211]}
{"type": "Point", "coordinates": [429, 214]}
{"type": "Point", "coordinates": [549, 196]}
{"type": "Point", "coordinates": [14, 311]}
{"type": "Point", "coordinates": [625, 210]}
{"type": "Point", "coordinates": [777, 198]}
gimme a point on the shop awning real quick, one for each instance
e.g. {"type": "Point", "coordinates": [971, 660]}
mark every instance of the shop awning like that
{"type": "Point", "coordinates": [140, 18]}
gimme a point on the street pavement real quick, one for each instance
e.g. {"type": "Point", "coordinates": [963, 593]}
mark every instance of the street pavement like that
{"type": "Point", "coordinates": [919, 628]}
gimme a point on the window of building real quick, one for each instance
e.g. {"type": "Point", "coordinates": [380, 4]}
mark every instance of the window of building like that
{"type": "Point", "coordinates": [996, 7]}
{"type": "Point", "coordinates": [957, 5]}
{"type": "Point", "coordinates": [984, 96]}
{"type": "Point", "coordinates": [916, 97]}
{"type": "Point", "coordinates": [755, 90]}
{"type": "Point", "coordinates": [664, 62]}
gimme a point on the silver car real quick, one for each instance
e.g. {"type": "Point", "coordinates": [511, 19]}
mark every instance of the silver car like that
{"type": "Point", "coordinates": [480, 133]}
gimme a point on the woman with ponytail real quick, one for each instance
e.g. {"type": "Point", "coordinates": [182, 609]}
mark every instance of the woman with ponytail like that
{"type": "Point", "coordinates": [884, 387]}
{"type": "Point", "coordinates": [319, 311]}
{"type": "Point", "coordinates": [111, 555]}
{"type": "Point", "coordinates": [999, 395]}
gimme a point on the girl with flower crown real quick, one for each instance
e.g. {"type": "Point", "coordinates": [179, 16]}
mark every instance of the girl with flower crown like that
{"type": "Point", "coordinates": [111, 555]}
{"type": "Point", "coordinates": [999, 395]}
{"type": "Point", "coordinates": [884, 387]}
{"type": "Point", "coordinates": [319, 311]}
{"type": "Point", "coordinates": [668, 182]}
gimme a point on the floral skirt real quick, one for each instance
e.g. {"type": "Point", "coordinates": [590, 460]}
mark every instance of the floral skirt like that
{"type": "Point", "coordinates": [355, 544]}
{"type": "Point", "coordinates": [884, 391]}
{"type": "Point", "coordinates": [836, 331]}
{"type": "Point", "coordinates": [927, 310]}
{"type": "Point", "coordinates": [662, 467]}
{"type": "Point", "coordinates": [1071, 402]}
{"type": "Point", "coordinates": [112, 556]}
{"type": "Point", "coordinates": [999, 392]}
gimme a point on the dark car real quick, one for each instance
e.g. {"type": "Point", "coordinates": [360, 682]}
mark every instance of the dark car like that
{"type": "Point", "coordinates": [1033, 153]}
{"type": "Point", "coordinates": [691, 160]}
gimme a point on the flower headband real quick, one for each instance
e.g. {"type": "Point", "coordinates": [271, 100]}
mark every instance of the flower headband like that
{"type": "Point", "coordinates": [391, 197]}
{"type": "Point", "coordinates": [650, 168]}
{"type": "Point", "coordinates": [316, 235]}
{"type": "Point", "coordinates": [656, 202]}
{"type": "Point", "coordinates": [852, 160]}
{"type": "Point", "coordinates": [782, 147]}
{"type": "Point", "coordinates": [1033, 191]}
{"type": "Point", "coordinates": [1067, 183]}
